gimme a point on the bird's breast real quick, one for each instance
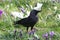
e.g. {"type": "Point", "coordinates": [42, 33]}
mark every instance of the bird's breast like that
{"type": "Point", "coordinates": [34, 19]}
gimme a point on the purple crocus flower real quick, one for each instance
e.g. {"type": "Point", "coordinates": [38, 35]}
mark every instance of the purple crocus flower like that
{"type": "Point", "coordinates": [22, 9]}
{"type": "Point", "coordinates": [45, 36]}
{"type": "Point", "coordinates": [32, 32]}
{"type": "Point", "coordinates": [51, 33]}
{"type": "Point", "coordinates": [1, 12]}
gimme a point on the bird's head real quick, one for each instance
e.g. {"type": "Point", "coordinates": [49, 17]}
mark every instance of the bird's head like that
{"type": "Point", "coordinates": [38, 7]}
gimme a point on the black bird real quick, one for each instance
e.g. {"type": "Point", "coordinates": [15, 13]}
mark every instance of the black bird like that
{"type": "Point", "coordinates": [31, 20]}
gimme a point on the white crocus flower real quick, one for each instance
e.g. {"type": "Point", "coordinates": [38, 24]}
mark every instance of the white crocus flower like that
{"type": "Point", "coordinates": [38, 8]}
{"type": "Point", "coordinates": [17, 14]}
{"type": "Point", "coordinates": [55, 7]}
{"type": "Point", "coordinates": [59, 16]}
{"type": "Point", "coordinates": [7, 6]}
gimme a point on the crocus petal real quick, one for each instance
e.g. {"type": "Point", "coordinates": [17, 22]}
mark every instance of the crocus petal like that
{"type": "Point", "coordinates": [45, 35]}
{"type": "Point", "coordinates": [1, 12]}
{"type": "Point", "coordinates": [51, 33]}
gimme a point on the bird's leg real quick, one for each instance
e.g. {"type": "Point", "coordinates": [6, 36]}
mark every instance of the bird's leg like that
{"type": "Point", "coordinates": [27, 29]}
{"type": "Point", "coordinates": [31, 28]}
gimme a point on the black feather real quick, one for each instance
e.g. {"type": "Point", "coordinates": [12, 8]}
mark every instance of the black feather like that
{"type": "Point", "coordinates": [30, 21]}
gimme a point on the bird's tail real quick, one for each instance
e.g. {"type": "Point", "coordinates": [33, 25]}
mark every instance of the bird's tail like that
{"type": "Point", "coordinates": [17, 22]}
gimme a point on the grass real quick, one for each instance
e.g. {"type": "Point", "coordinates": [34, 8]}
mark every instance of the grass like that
{"type": "Point", "coordinates": [44, 25]}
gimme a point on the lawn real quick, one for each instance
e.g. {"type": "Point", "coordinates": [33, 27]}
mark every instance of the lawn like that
{"type": "Point", "coordinates": [47, 27]}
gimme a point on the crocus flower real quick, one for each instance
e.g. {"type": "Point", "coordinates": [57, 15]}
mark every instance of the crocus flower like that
{"type": "Point", "coordinates": [38, 7]}
{"type": "Point", "coordinates": [32, 32]}
{"type": "Point", "coordinates": [45, 36]}
{"type": "Point", "coordinates": [22, 9]}
{"type": "Point", "coordinates": [55, 7]}
{"type": "Point", "coordinates": [51, 33]}
{"type": "Point", "coordinates": [58, 16]}
{"type": "Point", "coordinates": [16, 14]}
{"type": "Point", "coordinates": [1, 12]}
